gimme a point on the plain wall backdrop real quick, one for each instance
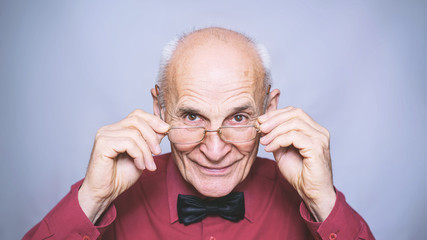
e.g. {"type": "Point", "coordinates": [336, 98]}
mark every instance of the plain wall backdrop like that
{"type": "Point", "coordinates": [358, 68]}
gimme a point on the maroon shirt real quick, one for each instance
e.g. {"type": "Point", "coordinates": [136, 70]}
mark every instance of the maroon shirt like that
{"type": "Point", "coordinates": [147, 210]}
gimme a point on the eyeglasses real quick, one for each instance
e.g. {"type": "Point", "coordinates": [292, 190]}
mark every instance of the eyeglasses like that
{"type": "Point", "coordinates": [230, 134]}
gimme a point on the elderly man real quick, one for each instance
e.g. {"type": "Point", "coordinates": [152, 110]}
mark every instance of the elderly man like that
{"type": "Point", "coordinates": [214, 103]}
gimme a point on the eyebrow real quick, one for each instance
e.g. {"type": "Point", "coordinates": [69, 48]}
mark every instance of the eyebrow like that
{"type": "Point", "coordinates": [188, 109]}
{"type": "Point", "coordinates": [244, 107]}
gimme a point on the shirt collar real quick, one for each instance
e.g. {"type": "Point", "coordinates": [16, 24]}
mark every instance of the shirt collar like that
{"type": "Point", "coordinates": [177, 185]}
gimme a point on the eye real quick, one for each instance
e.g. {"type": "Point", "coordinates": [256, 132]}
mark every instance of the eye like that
{"type": "Point", "coordinates": [239, 119]}
{"type": "Point", "coordinates": [191, 117]}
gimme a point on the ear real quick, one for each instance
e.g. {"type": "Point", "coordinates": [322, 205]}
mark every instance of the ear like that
{"type": "Point", "coordinates": [273, 100]}
{"type": "Point", "coordinates": [156, 105]}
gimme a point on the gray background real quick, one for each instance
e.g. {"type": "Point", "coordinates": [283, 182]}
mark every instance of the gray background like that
{"type": "Point", "coordinates": [357, 67]}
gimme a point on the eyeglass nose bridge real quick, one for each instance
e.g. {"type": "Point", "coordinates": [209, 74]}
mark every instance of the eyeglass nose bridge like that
{"type": "Point", "coordinates": [218, 131]}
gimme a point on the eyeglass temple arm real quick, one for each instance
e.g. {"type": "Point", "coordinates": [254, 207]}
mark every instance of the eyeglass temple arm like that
{"type": "Point", "coordinates": [266, 99]}
{"type": "Point", "coordinates": [159, 100]}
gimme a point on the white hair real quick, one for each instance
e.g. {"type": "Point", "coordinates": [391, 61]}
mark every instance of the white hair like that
{"type": "Point", "coordinates": [171, 46]}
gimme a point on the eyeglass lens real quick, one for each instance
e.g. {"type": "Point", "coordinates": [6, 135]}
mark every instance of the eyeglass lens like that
{"type": "Point", "coordinates": [234, 134]}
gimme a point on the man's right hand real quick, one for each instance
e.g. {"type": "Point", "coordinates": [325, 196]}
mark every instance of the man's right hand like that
{"type": "Point", "coordinates": [120, 153]}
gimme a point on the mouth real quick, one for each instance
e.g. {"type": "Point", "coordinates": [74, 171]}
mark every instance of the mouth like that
{"type": "Point", "coordinates": [215, 171]}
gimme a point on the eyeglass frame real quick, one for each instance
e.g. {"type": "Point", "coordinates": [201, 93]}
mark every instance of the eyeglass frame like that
{"type": "Point", "coordinates": [218, 131]}
{"type": "Point", "coordinates": [204, 128]}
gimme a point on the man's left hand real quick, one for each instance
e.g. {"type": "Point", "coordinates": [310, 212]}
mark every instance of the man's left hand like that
{"type": "Point", "coordinates": [301, 150]}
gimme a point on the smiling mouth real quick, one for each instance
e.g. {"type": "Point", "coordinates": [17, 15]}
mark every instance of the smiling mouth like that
{"type": "Point", "coordinates": [216, 171]}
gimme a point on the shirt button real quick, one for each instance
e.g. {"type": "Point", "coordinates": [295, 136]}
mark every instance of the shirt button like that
{"type": "Point", "coordinates": [332, 236]}
{"type": "Point", "coordinates": [86, 238]}
{"type": "Point", "coordinates": [212, 238]}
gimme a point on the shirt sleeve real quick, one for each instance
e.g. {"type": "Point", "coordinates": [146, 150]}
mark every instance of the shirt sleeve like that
{"type": "Point", "coordinates": [342, 223]}
{"type": "Point", "coordinates": [68, 221]}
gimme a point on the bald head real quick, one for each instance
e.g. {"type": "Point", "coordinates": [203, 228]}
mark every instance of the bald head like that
{"type": "Point", "coordinates": [211, 46]}
{"type": "Point", "coordinates": [215, 37]}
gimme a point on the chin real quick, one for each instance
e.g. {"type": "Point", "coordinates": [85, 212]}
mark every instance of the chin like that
{"type": "Point", "coordinates": [215, 187]}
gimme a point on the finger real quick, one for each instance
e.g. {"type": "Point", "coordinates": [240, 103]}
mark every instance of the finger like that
{"type": "Point", "coordinates": [152, 128]}
{"type": "Point", "coordinates": [297, 139]}
{"type": "Point", "coordinates": [157, 124]}
{"type": "Point", "coordinates": [268, 115]}
{"type": "Point", "coordinates": [152, 138]}
{"type": "Point", "coordinates": [113, 146]}
{"type": "Point", "coordinates": [135, 121]}
{"type": "Point", "coordinates": [274, 118]}
{"type": "Point", "coordinates": [270, 121]}
{"type": "Point", "coordinates": [147, 158]}
{"type": "Point", "coordinates": [294, 124]}
{"type": "Point", "coordinates": [147, 133]}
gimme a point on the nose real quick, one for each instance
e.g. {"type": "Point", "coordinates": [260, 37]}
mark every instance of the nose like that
{"type": "Point", "coordinates": [213, 147]}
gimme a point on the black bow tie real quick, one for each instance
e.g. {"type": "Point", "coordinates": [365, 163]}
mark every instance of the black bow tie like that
{"type": "Point", "coordinates": [193, 209]}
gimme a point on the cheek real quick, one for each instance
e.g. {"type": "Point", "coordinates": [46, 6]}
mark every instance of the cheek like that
{"type": "Point", "coordinates": [184, 148]}
{"type": "Point", "coordinates": [182, 152]}
{"type": "Point", "coordinates": [247, 147]}
{"type": "Point", "coordinates": [250, 149]}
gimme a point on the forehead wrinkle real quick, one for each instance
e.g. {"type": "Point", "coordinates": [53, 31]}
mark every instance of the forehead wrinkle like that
{"type": "Point", "coordinates": [243, 103]}
{"type": "Point", "coordinates": [220, 108]}
{"type": "Point", "coordinates": [220, 83]}
{"type": "Point", "coordinates": [189, 98]}
{"type": "Point", "coordinates": [209, 94]}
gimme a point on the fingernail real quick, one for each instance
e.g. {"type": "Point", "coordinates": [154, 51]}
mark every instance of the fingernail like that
{"type": "Point", "coordinates": [158, 150]}
{"type": "Point", "coordinates": [153, 166]}
{"type": "Point", "coordinates": [140, 165]}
